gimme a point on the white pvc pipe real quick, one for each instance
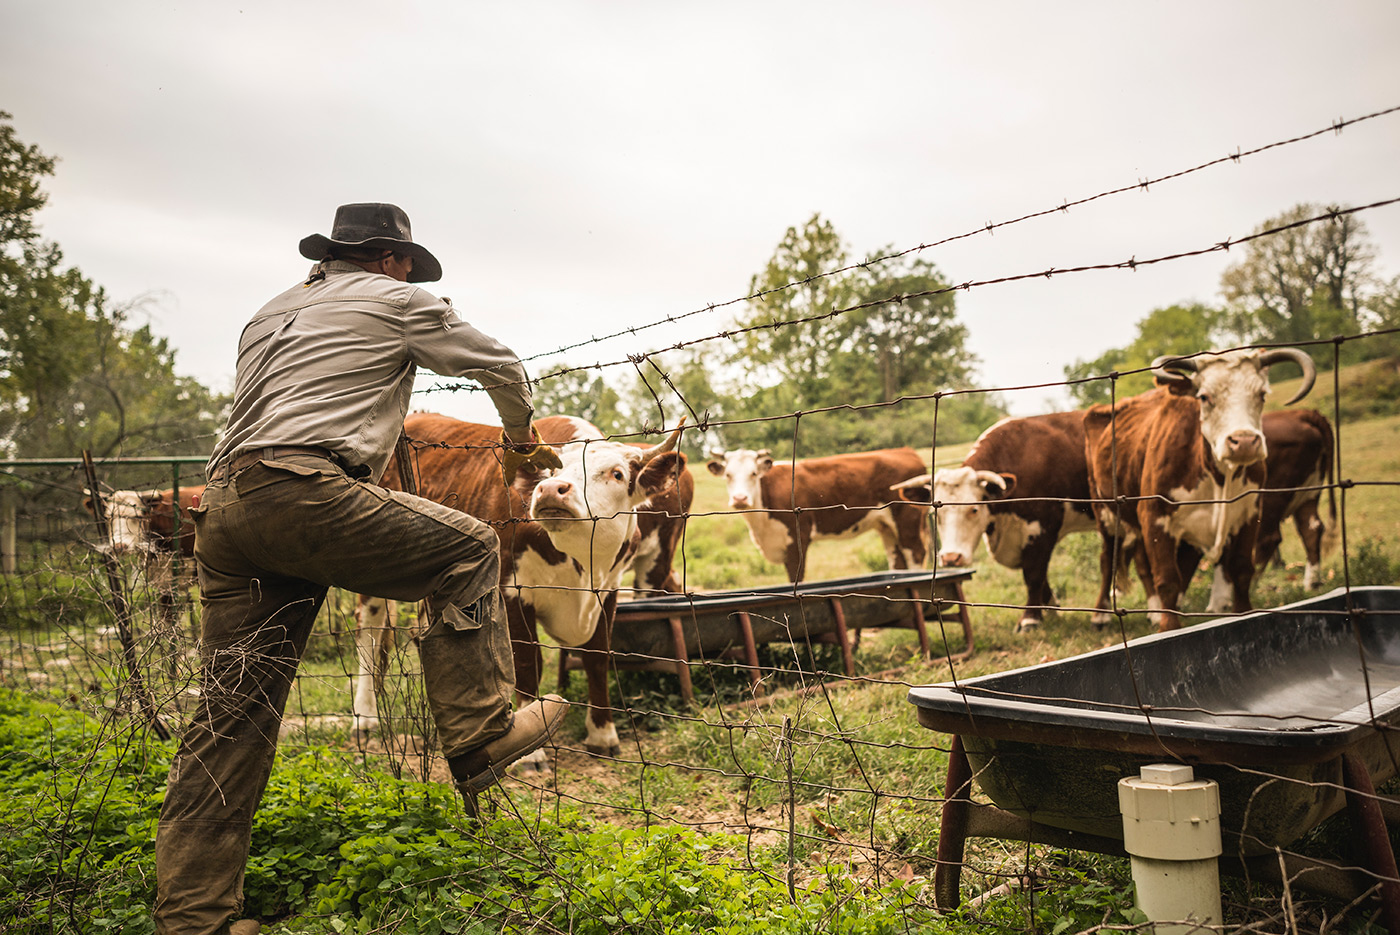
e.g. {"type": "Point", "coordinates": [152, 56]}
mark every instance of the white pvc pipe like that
{"type": "Point", "coordinates": [1171, 830]}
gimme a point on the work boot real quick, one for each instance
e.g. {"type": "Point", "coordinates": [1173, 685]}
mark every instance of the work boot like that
{"type": "Point", "coordinates": [531, 726]}
{"type": "Point", "coordinates": [244, 927]}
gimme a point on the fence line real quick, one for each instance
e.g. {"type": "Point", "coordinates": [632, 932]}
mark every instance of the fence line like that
{"type": "Point", "coordinates": [819, 760]}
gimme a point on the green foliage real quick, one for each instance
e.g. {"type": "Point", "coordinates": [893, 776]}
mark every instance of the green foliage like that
{"type": "Point", "coordinates": [581, 393]}
{"type": "Point", "coordinates": [847, 340]}
{"type": "Point", "coordinates": [1175, 329]}
{"type": "Point", "coordinates": [1372, 563]}
{"type": "Point", "coordinates": [75, 371]}
{"type": "Point", "coordinates": [358, 851]}
{"type": "Point", "coordinates": [896, 336]}
{"type": "Point", "coordinates": [1303, 283]}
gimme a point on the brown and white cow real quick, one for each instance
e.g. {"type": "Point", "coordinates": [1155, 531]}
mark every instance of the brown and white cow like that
{"type": "Point", "coordinates": [1023, 487]}
{"type": "Point", "coordinates": [1178, 468]}
{"type": "Point", "coordinates": [787, 504]}
{"type": "Point", "coordinates": [1298, 466]}
{"type": "Point", "coordinates": [144, 521]}
{"type": "Point", "coordinates": [661, 523]}
{"type": "Point", "coordinates": [567, 540]}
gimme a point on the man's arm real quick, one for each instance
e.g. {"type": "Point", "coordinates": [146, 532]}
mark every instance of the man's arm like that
{"type": "Point", "coordinates": [442, 342]}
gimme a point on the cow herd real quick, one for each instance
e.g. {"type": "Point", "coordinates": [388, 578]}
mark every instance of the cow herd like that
{"type": "Point", "coordinates": [1191, 470]}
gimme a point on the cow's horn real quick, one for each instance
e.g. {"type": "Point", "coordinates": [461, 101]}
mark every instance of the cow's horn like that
{"type": "Point", "coordinates": [992, 477]}
{"type": "Point", "coordinates": [1160, 371]}
{"type": "Point", "coordinates": [666, 445]}
{"type": "Point", "coordinates": [1299, 357]}
{"type": "Point", "coordinates": [717, 454]}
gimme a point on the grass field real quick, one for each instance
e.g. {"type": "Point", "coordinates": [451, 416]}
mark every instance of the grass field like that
{"type": "Point", "coordinates": [837, 770]}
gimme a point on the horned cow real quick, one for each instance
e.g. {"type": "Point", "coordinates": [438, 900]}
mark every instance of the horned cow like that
{"type": "Point", "coordinates": [1022, 487]}
{"type": "Point", "coordinates": [567, 539]}
{"type": "Point", "coordinates": [1178, 467]}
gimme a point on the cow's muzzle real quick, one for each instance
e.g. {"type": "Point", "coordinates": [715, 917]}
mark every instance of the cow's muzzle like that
{"type": "Point", "coordinates": [1244, 447]}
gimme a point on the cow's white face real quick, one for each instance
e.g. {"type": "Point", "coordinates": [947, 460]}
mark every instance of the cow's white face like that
{"type": "Point", "coordinates": [126, 521]}
{"type": "Point", "coordinates": [963, 518]}
{"type": "Point", "coordinates": [587, 505]}
{"type": "Point", "coordinates": [1231, 389]}
{"type": "Point", "coordinates": [741, 470]}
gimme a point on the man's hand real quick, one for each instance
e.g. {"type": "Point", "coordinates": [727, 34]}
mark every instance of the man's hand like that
{"type": "Point", "coordinates": [539, 457]}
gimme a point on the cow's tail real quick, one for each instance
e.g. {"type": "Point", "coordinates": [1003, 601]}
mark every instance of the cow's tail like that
{"type": "Point", "coordinates": [1331, 529]}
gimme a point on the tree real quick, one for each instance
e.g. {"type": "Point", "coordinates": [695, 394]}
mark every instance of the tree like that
{"type": "Point", "coordinates": [581, 392]}
{"type": "Point", "coordinates": [75, 373]}
{"type": "Point", "coordinates": [1175, 329]}
{"type": "Point", "coordinates": [1303, 283]}
{"type": "Point", "coordinates": [793, 337]}
{"type": "Point", "coordinates": [825, 333]}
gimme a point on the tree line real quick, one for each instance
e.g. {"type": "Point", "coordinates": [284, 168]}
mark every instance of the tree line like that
{"type": "Point", "coordinates": [77, 371]}
{"type": "Point", "coordinates": [826, 354]}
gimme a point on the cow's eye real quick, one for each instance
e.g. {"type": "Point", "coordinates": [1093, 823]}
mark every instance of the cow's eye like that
{"type": "Point", "coordinates": [1205, 399]}
{"type": "Point", "coordinates": [617, 473]}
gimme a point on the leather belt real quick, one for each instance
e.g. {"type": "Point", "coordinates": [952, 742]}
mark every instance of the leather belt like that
{"type": "Point", "coordinates": [252, 456]}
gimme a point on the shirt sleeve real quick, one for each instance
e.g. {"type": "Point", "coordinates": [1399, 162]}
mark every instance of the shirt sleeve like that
{"type": "Point", "coordinates": [439, 340]}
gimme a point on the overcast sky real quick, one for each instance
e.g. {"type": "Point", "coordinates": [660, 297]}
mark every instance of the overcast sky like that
{"type": "Point", "coordinates": [581, 168]}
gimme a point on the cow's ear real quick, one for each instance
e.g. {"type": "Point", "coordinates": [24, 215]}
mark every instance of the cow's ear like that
{"type": "Point", "coordinates": [715, 467]}
{"type": "Point", "coordinates": [87, 505]}
{"type": "Point", "coordinates": [915, 493]}
{"type": "Point", "coordinates": [995, 487]}
{"type": "Point", "coordinates": [660, 473]}
{"type": "Point", "coordinates": [764, 462]}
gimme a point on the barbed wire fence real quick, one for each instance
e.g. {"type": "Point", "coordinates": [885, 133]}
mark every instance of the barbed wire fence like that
{"type": "Point", "coordinates": [803, 744]}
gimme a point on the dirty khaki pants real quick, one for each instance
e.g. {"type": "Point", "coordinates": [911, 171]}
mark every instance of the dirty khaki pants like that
{"type": "Point", "coordinates": [270, 541]}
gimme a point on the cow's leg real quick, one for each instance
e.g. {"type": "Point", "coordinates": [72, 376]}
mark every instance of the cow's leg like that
{"type": "Point", "coordinates": [1238, 562]}
{"type": "Point", "coordinates": [602, 732]}
{"type": "Point", "coordinates": [1116, 557]}
{"type": "Point", "coordinates": [1107, 550]}
{"type": "Point", "coordinates": [889, 537]}
{"type": "Point", "coordinates": [1035, 571]}
{"type": "Point", "coordinates": [795, 554]}
{"type": "Point", "coordinates": [373, 632]}
{"type": "Point", "coordinates": [1164, 559]}
{"type": "Point", "coordinates": [528, 659]}
{"type": "Point", "coordinates": [1310, 529]}
{"type": "Point", "coordinates": [1222, 594]}
{"type": "Point", "coordinates": [911, 520]}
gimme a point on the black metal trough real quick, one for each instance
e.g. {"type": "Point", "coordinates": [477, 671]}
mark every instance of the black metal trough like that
{"type": "Point", "coordinates": [665, 633]}
{"type": "Point", "coordinates": [1292, 711]}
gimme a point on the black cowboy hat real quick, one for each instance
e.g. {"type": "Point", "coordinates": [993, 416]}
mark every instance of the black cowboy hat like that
{"type": "Point", "coordinates": [374, 225]}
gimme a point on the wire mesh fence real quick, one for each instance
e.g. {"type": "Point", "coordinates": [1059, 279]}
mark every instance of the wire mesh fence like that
{"type": "Point", "coordinates": [773, 716]}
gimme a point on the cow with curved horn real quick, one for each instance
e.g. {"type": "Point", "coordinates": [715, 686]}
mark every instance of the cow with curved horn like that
{"type": "Point", "coordinates": [1023, 487]}
{"type": "Point", "coordinates": [1177, 469]}
{"type": "Point", "coordinates": [566, 539]}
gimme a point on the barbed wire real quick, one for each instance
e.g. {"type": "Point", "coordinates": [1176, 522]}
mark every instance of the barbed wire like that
{"type": "Point", "coordinates": [797, 739]}
{"type": "Point", "coordinates": [1335, 128]}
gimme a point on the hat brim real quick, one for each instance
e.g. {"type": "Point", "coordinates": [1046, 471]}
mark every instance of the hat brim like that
{"type": "Point", "coordinates": [426, 267]}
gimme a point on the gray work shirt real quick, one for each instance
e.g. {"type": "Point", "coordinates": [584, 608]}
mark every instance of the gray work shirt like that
{"type": "Point", "coordinates": [330, 362]}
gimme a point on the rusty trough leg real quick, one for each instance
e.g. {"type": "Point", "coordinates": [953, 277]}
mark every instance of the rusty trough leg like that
{"type": "Point", "coordinates": [952, 832]}
{"type": "Point", "coordinates": [920, 626]}
{"type": "Point", "coordinates": [966, 619]}
{"type": "Point", "coordinates": [1367, 820]}
{"type": "Point", "coordinates": [751, 653]}
{"type": "Point", "coordinates": [682, 660]}
{"type": "Point", "coordinates": [843, 634]}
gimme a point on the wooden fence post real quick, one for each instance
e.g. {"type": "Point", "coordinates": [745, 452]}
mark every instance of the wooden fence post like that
{"type": "Point", "coordinates": [8, 537]}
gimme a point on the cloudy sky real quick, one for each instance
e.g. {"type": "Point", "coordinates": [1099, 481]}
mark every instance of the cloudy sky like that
{"type": "Point", "coordinates": [583, 168]}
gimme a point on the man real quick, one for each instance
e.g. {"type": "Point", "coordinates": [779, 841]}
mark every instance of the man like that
{"type": "Point", "coordinates": [324, 376]}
